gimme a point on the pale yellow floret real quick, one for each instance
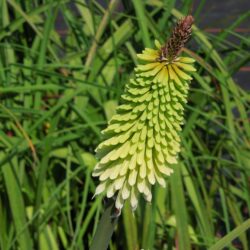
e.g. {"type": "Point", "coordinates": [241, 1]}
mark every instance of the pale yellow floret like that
{"type": "Point", "coordinates": [157, 44]}
{"type": "Point", "coordinates": [186, 60]}
{"type": "Point", "coordinates": [185, 66]}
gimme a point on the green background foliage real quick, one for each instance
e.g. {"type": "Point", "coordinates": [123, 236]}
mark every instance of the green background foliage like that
{"type": "Point", "coordinates": [56, 95]}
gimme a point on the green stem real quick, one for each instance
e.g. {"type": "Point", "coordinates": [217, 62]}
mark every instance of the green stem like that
{"type": "Point", "coordinates": [105, 228]}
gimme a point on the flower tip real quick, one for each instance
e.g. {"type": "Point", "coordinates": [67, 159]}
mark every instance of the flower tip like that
{"type": "Point", "coordinates": [157, 44]}
{"type": "Point", "coordinates": [188, 21]}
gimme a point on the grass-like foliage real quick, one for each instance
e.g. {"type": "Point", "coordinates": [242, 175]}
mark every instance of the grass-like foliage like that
{"type": "Point", "coordinates": [57, 92]}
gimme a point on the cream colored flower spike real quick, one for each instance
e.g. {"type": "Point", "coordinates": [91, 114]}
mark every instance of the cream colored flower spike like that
{"type": "Point", "coordinates": [142, 140]}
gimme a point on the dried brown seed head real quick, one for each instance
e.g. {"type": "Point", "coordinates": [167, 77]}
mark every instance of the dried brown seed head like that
{"type": "Point", "coordinates": [178, 38]}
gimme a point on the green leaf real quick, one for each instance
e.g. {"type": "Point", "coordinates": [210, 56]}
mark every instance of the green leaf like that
{"type": "Point", "coordinates": [227, 239]}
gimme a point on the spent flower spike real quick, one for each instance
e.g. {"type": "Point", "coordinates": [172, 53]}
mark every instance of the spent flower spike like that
{"type": "Point", "coordinates": [142, 142]}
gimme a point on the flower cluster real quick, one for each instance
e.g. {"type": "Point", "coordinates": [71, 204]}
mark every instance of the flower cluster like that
{"type": "Point", "coordinates": [142, 141]}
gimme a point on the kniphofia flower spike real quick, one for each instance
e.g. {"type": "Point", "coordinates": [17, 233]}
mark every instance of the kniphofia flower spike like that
{"type": "Point", "coordinates": [142, 141]}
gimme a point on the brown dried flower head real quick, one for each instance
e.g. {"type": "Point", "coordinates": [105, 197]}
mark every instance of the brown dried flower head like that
{"type": "Point", "coordinates": [177, 40]}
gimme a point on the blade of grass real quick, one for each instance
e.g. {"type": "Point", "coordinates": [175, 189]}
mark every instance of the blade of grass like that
{"type": "Point", "coordinates": [142, 21]}
{"type": "Point", "coordinates": [180, 209]}
{"type": "Point", "coordinates": [16, 202]}
{"type": "Point", "coordinates": [100, 31]}
{"type": "Point", "coordinates": [76, 150]}
{"type": "Point", "coordinates": [52, 13]}
{"type": "Point", "coordinates": [105, 229]}
{"type": "Point", "coordinates": [226, 240]}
